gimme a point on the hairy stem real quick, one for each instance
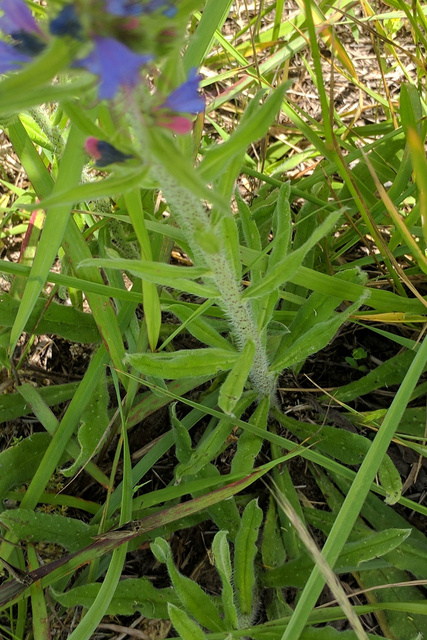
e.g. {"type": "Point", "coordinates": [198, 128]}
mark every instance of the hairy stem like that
{"type": "Point", "coordinates": [193, 217]}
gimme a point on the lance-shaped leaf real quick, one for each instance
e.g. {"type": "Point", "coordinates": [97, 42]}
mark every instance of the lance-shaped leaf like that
{"type": "Point", "coordinates": [187, 363]}
{"type": "Point", "coordinates": [285, 268]}
{"type": "Point", "coordinates": [15, 590]}
{"type": "Point", "coordinates": [232, 388]}
{"type": "Point", "coordinates": [166, 274]}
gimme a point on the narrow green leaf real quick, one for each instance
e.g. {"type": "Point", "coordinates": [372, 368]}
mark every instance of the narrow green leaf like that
{"type": "Point", "coordinates": [214, 15]}
{"type": "Point", "coordinates": [36, 526]}
{"type": "Point", "coordinates": [245, 551]}
{"type": "Point", "coordinates": [95, 420]}
{"type": "Point", "coordinates": [192, 596]}
{"type": "Point", "coordinates": [282, 226]}
{"type": "Point", "coordinates": [158, 272]}
{"type": "Point", "coordinates": [183, 445]}
{"type": "Point", "coordinates": [150, 297]}
{"type": "Point", "coordinates": [18, 462]}
{"type": "Point", "coordinates": [289, 264]}
{"type": "Point", "coordinates": [199, 327]}
{"type": "Point", "coordinates": [122, 182]}
{"type": "Point", "coordinates": [352, 558]}
{"type": "Point", "coordinates": [315, 339]}
{"type": "Point", "coordinates": [390, 480]}
{"type": "Point", "coordinates": [217, 159]}
{"type": "Point", "coordinates": [13, 406]}
{"type": "Point", "coordinates": [411, 110]}
{"type": "Point", "coordinates": [51, 317]}
{"type": "Point", "coordinates": [249, 445]}
{"type": "Point", "coordinates": [187, 363]}
{"type": "Point", "coordinates": [131, 595]}
{"type": "Point", "coordinates": [232, 388]}
{"type": "Point", "coordinates": [50, 241]}
{"type": "Point", "coordinates": [227, 232]}
{"type": "Point", "coordinates": [221, 554]}
{"type": "Point", "coordinates": [186, 627]}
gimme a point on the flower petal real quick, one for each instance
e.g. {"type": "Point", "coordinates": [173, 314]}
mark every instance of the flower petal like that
{"type": "Point", "coordinates": [123, 7]}
{"type": "Point", "coordinates": [17, 17]}
{"type": "Point", "coordinates": [27, 43]}
{"type": "Point", "coordinates": [186, 99]}
{"type": "Point", "coordinates": [115, 64]}
{"type": "Point", "coordinates": [137, 7]}
{"type": "Point", "coordinates": [10, 58]}
{"type": "Point", "coordinates": [66, 23]}
{"type": "Point", "coordinates": [104, 153]}
{"type": "Point", "coordinates": [178, 124]}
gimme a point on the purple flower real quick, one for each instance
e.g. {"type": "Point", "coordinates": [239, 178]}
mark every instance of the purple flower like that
{"type": "Point", "coordinates": [123, 7]}
{"type": "Point", "coordinates": [17, 17]}
{"type": "Point", "coordinates": [167, 7]}
{"type": "Point", "coordinates": [186, 98]}
{"type": "Point", "coordinates": [66, 23]}
{"type": "Point", "coordinates": [115, 64]}
{"type": "Point", "coordinates": [18, 22]}
{"type": "Point", "coordinates": [137, 7]}
{"type": "Point", "coordinates": [27, 43]}
{"type": "Point", "coordinates": [10, 58]}
{"type": "Point", "coordinates": [104, 153]}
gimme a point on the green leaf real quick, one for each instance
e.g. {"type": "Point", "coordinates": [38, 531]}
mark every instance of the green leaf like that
{"type": "Point", "coordinates": [33, 76]}
{"type": "Point", "coordinates": [17, 463]}
{"type": "Point", "coordinates": [161, 550]}
{"type": "Point", "coordinates": [249, 445]}
{"type": "Point", "coordinates": [282, 226]}
{"type": "Point", "coordinates": [211, 443]}
{"type": "Point", "coordinates": [352, 558]}
{"type": "Point", "coordinates": [411, 110]}
{"type": "Point", "coordinates": [390, 372]}
{"type": "Point", "coordinates": [107, 187]}
{"type": "Point", "coordinates": [315, 339]}
{"type": "Point", "coordinates": [54, 228]}
{"type": "Point", "coordinates": [36, 526]}
{"type": "Point", "coordinates": [350, 449]}
{"type": "Point", "coordinates": [131, 595]}
{"type": "Point", "coordinates": [250, 129]}
{"type": "Point", "coordinates": [199, 327]}
{"type": "Point", "coordinates": [51, 317]}
{"type": "Point", "coordinates": [390, 480]}
{"type": "Point", "coordinates": [221, 554]}
{"type": "Point", "coordinates": [182, 437]}
{"type": "Point", "coordinates": [187, 628]}
{"type": "Point", "coordinates": [214, 15]}
{"type": "Point", "coordinates": [285, 268]}
{"type": "Point", "coordinates": [95, 420]}
{"type": "Point", "coordinates": [227, 232]}
{"type": "Point", "coordinates": [245, 551]}
{"type": "Point", "coordinates": [193, 598]}
{"type": "Point", "coordinates": [158, 272]}
{"type": "Point", "coordinates": [232, 388]}
{"type": "Point", "coordinates": [13, 406]}
{"type": "Point", "coordinates": [187, 363]}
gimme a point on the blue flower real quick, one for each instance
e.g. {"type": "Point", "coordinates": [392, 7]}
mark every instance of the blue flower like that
{"type": "Point", "coordinates": [17, 17]}
{"type": "Point", "coordinates": [115, 65]}
{"type": "Point", "coordinates": [66, 23]}
{"type": "Point", "coordinates": [137, 7]}
{"type": "Point", "coordinates": [186, 98]}
{"type": "Point", "coordinates": [104, 153]}
{"type": "Point", "coordinates": [18, 22]}
{"type": "Point", "coordinates": [123, 7]}
{"type": "Point", "coordinates": [167, 7]}
{"type": "Point", "coordinates": [10, 58]}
